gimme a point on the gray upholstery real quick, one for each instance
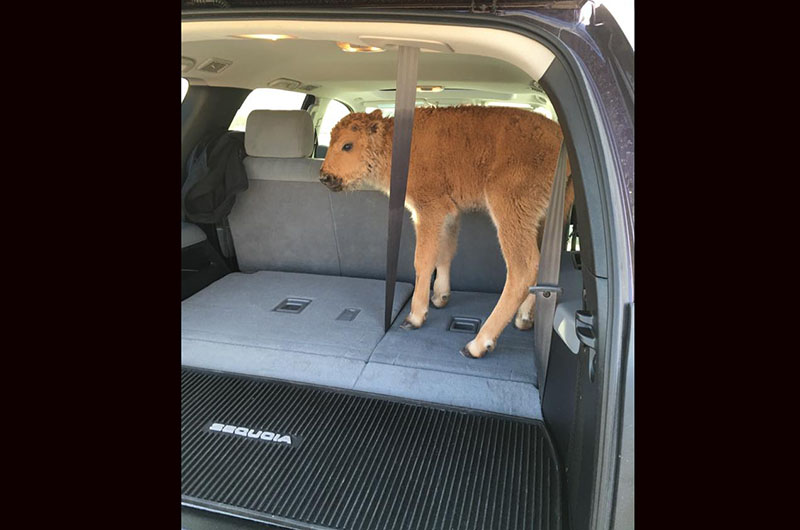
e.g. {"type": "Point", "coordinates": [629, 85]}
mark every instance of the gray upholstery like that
{"type": "Point", "coordinates": [425, 364]}
{"type": "Point", "coordinates": [297, 239]}
{"type": "Point", "coordinates": [433, 347]}
{"type": "Point", "coordinates": [284, 226]}
{"type": "Point", "coordinates": [283, 169]}
{"type": "Point", "coordinates": [279, 134]}
{"type": "Point", "coordinates": [362, 221]}
{"type": "Point", "coordinates": [290, 225]}
{"type": "Point", "coordinates": [238, 309]}
{"type": "Point", "coordinates": [288, 221]}
{"type": "Point", "coordinates": [261, 361]}
{"type": "Point", "coordinates": [231, 326]}
{"type": "Point", "coordinates": [474, 392]}
{"type": "Point", "coordinates": [191, 234]}
{"type": "Point", "coordinates": [283, 221]}
{"type": "Point", "coordinates": [479, 264]}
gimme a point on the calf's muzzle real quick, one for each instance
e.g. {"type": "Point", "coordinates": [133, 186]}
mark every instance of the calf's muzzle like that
{"type": "Point", "coordinates": [333, 183]}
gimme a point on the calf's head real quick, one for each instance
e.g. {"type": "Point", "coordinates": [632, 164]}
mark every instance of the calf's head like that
{"type": "Point", "coordinates": [357, 154]}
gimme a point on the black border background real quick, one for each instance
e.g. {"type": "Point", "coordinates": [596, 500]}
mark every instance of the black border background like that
{"type": "Point", "coordinates": [93, 340]}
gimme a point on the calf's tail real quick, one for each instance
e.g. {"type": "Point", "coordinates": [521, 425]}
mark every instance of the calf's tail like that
{"type": "Point", "coordinates": [569, 198]}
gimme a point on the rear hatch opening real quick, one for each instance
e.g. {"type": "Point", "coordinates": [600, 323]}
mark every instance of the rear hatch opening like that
{"type": "Point", "coordinates": [298, 409]}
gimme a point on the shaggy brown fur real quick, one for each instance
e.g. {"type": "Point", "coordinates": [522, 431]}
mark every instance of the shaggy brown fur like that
{"type": "Point", "coordinates": [462, 158]}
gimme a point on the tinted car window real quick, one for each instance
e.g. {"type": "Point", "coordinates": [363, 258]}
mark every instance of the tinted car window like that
{"type": "Point", "coordinates": [266, 99]}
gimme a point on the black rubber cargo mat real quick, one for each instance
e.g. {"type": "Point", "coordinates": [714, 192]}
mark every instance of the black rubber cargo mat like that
{"type": "Point", "coordinates": [309, 457]}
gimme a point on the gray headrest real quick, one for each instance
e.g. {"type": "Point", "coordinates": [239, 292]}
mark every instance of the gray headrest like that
{"type": "Point", "coordinates": [279, 134]}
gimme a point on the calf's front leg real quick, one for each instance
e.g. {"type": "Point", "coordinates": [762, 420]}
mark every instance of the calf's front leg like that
{"type": "Point", "coordinates": [448, 242]}
{"type": "Point", "coordinates": [428, 226]}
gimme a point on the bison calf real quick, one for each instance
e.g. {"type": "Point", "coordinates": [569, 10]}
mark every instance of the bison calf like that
{"type": "Point", "coordinates": [462, 158]}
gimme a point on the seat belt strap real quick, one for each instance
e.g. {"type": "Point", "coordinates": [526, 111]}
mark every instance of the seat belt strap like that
{"type": "Point", "coordinates": [546, 288]}
{"type": "Point", "coordinates": [405, 97]}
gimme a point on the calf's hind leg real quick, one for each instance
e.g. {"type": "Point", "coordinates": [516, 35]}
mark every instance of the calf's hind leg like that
{"type": "Point", "coordinates": [516, 230]}
{"type": "Point", "coordinates": [524, 318]}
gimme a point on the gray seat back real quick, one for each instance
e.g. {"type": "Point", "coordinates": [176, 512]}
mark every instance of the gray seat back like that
{"type": "Point", "coordinates": [288, 221]}
{"type": "Point", "coordinates": [362, 220]}
{"type": "Point", "coordinates": [283, 221]}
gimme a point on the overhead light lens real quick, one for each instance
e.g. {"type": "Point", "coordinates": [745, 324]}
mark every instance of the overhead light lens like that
{"type": "Point", "coordinates": [430, 88]}
{"type": "Point", "coordinates": [347, 47]}
{"type": "Point", "coordinates": [265, 36]}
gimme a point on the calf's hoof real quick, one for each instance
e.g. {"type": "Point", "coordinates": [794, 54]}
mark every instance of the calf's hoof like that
{"type": "Point", "coordinates": [439, 301]}
{"type": "Point", "coordinates": [522, 323]}
{"type": "Point", "coordinates": [407, 325]}
{"type": "Point", "coordinates": [465, 352]}
{"type": "Point", "coordinates": [412, 322]}
{"type": "Point", "coordinates": [474, 350]}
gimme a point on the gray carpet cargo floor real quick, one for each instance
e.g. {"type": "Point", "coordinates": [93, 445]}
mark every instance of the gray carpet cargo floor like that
{"type": "Point", "coordinates": [232, 326]}
{"type": "Point", "coordinates": [433, 347]}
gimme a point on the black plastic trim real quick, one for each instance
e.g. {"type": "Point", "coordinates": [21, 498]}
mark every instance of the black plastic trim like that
{"type": "Point", "coordinates": [308, 102]}
{"type": "Point", "coordinates": [201, 265]}
{"type": "Point", "coordinates": [204, 519]}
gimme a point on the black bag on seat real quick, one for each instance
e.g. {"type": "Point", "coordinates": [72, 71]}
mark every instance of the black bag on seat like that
{"type": "Point", "coordinates": [215, 174]}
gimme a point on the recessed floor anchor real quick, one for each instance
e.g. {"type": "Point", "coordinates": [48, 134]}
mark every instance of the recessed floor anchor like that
{"type": "Point", "coordinates": [464, 324]}
{"type": "Point", "coordinates": [349, 314]}
{"type": "Point", "coordinates": [292, 305]}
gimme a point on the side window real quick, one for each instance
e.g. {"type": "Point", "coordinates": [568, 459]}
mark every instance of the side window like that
{"type": "Point", "coordinates": [335, 112]}
{"type": "Point", "coordinates": [266, 99]}
{"type": "Point", "coordinates": [184, 88]}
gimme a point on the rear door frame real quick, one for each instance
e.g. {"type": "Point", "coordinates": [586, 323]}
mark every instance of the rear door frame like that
{"type": "Point", "coordinates": [598, 123]}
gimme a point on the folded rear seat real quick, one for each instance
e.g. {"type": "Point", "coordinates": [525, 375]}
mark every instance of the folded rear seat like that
{"type": "Point", "coordinates": [308, 313]}
{"type": "Point", "coordinates": [290, 313]}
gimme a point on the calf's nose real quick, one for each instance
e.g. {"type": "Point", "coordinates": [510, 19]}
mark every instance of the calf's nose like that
{"type": "Point", "coordinates": [333, 183]}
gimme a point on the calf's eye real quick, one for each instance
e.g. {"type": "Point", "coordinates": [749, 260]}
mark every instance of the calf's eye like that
{"type": "Point", "coordinates": [347, 147]}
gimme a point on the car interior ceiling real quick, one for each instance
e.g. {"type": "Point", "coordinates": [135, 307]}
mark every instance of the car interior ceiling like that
{"type": "Point", "coordinates": [304, 300]}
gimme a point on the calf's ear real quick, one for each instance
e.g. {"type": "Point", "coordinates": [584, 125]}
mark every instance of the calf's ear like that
{"type": "Point", "coordinates": [375, 121]}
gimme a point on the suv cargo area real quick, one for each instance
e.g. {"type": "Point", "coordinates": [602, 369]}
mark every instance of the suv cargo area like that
{"type": "Point", "coordinates": [298, 410]}
{"type": "Point", "coordinates": [307, 304]}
